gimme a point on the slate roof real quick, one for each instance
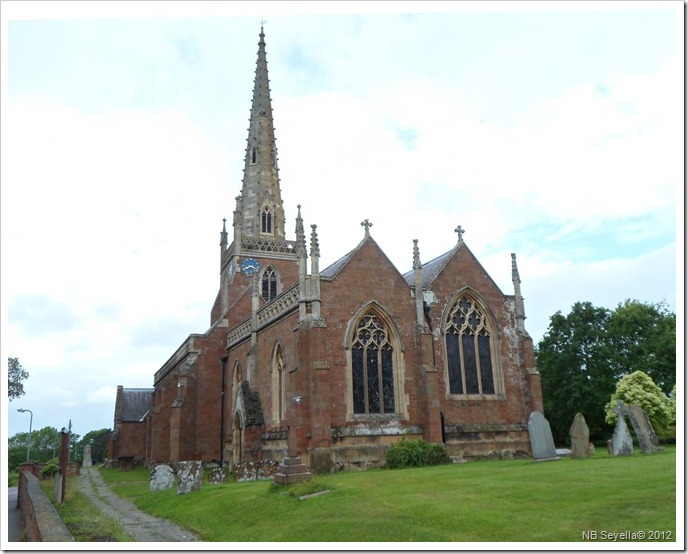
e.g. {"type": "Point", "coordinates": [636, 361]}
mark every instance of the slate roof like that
{"type": "Point", "coordinates": [431, 269]}
{"type": "Point", "coordinates": [332, 270]}
{"type": "Point", "coordinates": [135, 403]}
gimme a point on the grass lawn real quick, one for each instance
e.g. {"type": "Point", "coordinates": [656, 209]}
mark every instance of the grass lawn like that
{"type": "Point", "coordinates": [85, 523]}
{"type": "Point", "coordinates": [497, 501]}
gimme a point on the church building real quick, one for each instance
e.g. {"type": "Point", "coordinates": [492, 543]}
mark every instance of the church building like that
{"type": "Point", "coordinates": [338, 363]}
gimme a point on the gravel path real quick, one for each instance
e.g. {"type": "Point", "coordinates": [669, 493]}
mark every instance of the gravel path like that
{"type": "Point", "coordinates": [139, 525]}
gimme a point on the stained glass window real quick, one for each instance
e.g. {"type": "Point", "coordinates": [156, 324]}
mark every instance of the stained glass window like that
{"type": "Point", "coordinates": [372, 362]}
{"type": "Point", "coordinates": [469, 349]}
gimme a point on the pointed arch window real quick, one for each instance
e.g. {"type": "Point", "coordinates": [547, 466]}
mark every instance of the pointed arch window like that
{"type": "Point", "coordinates": [269, 283]}
{"type": "Point", "coordinates": [278, 384]}
{"type": "Point", "coordinates": [236, 380]}
{"type": "Point", "coordinates": [372, 367]}
{"type": "Point", "coordinates": [266, 220]}
{"type": "Point", "coordinates": [470, 349]}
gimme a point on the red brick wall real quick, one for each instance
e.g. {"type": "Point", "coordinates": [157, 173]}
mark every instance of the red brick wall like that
{"type": "Point", "coordinates": [316, 367]}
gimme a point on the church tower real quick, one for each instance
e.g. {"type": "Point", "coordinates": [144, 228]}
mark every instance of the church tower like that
{"type": "Point", "coordinates": [259, 245]}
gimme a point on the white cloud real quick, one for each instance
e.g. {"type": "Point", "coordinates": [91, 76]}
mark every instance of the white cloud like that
{"type": "Point", "coordinates": [102, 395]}
{"type": "Point", "coordinates": [111, 214]}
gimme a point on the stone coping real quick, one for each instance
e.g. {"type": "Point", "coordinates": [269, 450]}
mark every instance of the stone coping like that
{"type": "Point", "coordinates": [41, 520]}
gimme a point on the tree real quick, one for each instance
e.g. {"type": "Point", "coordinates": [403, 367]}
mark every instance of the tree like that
{"type": "Point", "coordinates": [643, 337]}
{"type": "Point", "coordinates": [572, 358]}
{"type": "Point", "coordinates": [639, 388]}
{"type": "Point", "coordinates": [45, 445]}
{"type": "Point", "coordinates": [99, 446]}
{"type": "Point", "coordinates": [16, 376]}
{"type": "Point", "coordinates": [672, 404]}
{"type": "Point", "coordinates": [583, 356]}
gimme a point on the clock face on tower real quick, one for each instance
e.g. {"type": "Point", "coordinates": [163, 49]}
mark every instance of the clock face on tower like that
{"type": "Point", "coordinates": [249, 266]}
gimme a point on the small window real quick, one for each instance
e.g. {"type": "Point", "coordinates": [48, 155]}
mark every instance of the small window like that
{"type": "Point", "coordinates": [269, 284]}
{"type": "Point", "coordinates": [266, 221]}
{"type": "Point", "coordinates": [254, 155]}
{"type": "Point", "coordinates": [278, 384]}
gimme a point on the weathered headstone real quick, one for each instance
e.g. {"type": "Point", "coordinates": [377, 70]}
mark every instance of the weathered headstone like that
{"type": "Point", "coordinates": [162, 477]}
{"type": "Point", "coordinates": [580, 437]}
{"type": "Point", "coordinates": [541, 440]}
{"type": "Point", "coordinates": [217, 476]}
{"type": "Point", "coordinates": [189, 475]}
{"type": "Point", "coordinates": [87, 456]}
{"type": "Point", "coordinates": [621, 443]}
{"type": "Point", "coordinates": [643, 429]}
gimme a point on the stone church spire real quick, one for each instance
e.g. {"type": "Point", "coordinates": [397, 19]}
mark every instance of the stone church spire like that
{"type": "Point", "coordinates": [262, 208]}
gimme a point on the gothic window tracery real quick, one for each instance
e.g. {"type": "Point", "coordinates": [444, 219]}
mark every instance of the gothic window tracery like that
{"type": "Point", "coordinates": [278, 384]}
{"type": "Point", "coordinates": [269, 284]}
{"type": "Point", "coordinates": [470, 349]}
{"type": "Point", "coordinates": [266, 220]}
{"type": "Point", "coordinates": [372, 367]}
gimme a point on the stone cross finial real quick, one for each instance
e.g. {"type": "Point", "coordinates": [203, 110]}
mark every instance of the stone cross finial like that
{"type": "Point", "coordinates": [367, 224]}
{"type": "Point", "coordinates": [460, 231]}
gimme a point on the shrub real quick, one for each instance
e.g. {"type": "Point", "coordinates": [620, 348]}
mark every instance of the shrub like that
{"type": "Point", "coordinates": [50, 469]}
{"type": "Point", "coordinates": [639, 388]}
{"type": "Point", "coordinates": [417, 453]}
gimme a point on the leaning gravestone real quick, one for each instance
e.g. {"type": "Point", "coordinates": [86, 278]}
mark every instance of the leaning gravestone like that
{"type": "Point", "coordinates": [190, 475]}
{"type": "Point", "coordinates": [541, 439]}
{"type": "Point", "coordinates": [643, 429]}
{"type": "Point", "coordinates": [87, 456]}
{"type": "Point", "coordinates": [162, 477]}
{"type": "Point", "coordinates": [580, 437]}
{"type": "Point", "coordinates": [217, 476]}
{"type": "Point", "coordinates": [621, 443]}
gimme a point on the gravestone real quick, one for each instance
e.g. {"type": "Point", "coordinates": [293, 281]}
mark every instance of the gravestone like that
{"type": "Point", "coordinates": [87, 456]}
{"type": "Point", "coordinates": [162, 477]}
{"type": "Point", "coordinates": [541, 440]}
{"type": "Point", "coordinates": [580, 437]}
{"type": "Point", "coordinates": [217, 476]}
{"type": "Point", "coordinates": [643, 429]}
{"type": "Point", "coordinates": [621, 443]}
{"type": "Point", "coordinates": [189, 475]}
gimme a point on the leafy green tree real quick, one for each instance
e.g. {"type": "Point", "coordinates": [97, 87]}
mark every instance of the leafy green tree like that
{"type": "Point", "coordinates": [639, 388]}
{"type": "Point", "coordinates": [573, 360]}
{"type": "Point", "coordinates": [99, 446]}
{"type": "Point", "coordinates": [672, 404]}
{"type": "Point", "coordinates": [16, 375]}
{"type": "Point", "coordinates": [45, 445]}
{"type": "Point", "coordinates": [643, 337]}
{"type": "Point", "coordinates": [583, 355]}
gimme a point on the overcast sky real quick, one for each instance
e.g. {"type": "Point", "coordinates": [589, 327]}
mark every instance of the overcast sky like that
{"type": "Point", "coordinates": [554, 131]}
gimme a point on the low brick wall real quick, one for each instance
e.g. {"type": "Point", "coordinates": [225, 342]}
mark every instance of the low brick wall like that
{"type": "Point", "coordinates": [41, 522]}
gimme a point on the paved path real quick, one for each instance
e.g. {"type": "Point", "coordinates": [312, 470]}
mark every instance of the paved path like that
{"type": "Point", "coordinates": [141, 526]}
{"type": "Point", "coordinates": [15, 525]}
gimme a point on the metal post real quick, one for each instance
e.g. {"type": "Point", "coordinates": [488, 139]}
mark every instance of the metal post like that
{"type": "Point", "coordinates": [63, 463]}
{"type": "Point", "coordinates": [28, 450]}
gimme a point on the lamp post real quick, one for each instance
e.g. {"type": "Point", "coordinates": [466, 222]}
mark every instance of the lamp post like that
{"type": "Point", "coordinates": [28, 450]}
